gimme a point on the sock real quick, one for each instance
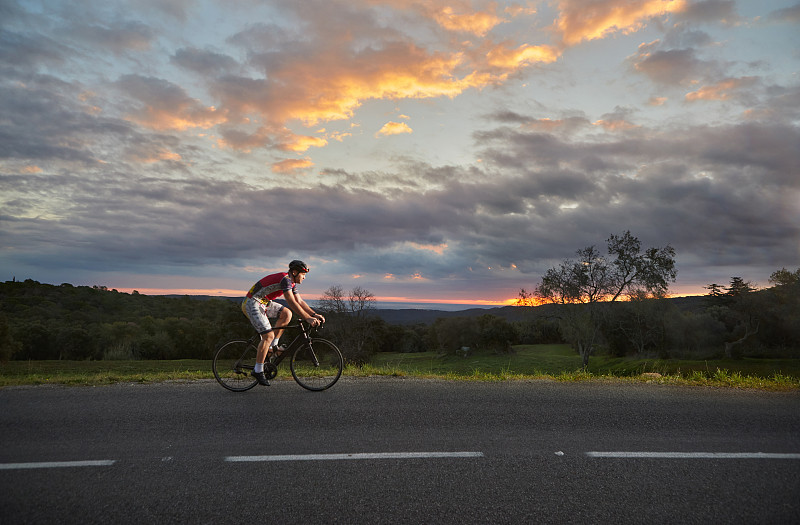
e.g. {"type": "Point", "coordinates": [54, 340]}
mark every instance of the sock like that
{"type": "Point", "coordinates": [274, 343]}
{"type": "Point", "coordinates": [258, 368]}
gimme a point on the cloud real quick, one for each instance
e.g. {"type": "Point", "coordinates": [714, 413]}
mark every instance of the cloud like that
{"type": "Point", "coordinates": [117, 38]}
{"type": "Point", "coordinates": [478, 23]}
{"type": "Point", "coordinates": [166, 153]}
{"type": "Point", "coordinates": [710, 11]}
{"type": "Point", "coordinates": [723, 90]}
{"type": "Point", "coordinates": [672, 67]}
{"type": "Point", "coordinates": [505, 58]}
{"type": "Point", "coordinates": [393, 128]}
{"type": "Point", "coordinates": [166, 106]}
{"type": "Point", "coordinates": [579, 22]}
{"type": "Point", "coordinates": [204, 62]}
{"type": "Point", "coordinates": [696, 189]}
{"type": "Point", "coordinates": [618, 120]}
{"type": "Point", "coordinates": [789, 15]}
{"type": "Point", "coordinates": [292, 165]}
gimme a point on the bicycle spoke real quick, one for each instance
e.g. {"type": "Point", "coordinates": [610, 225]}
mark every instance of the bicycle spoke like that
{"type": "Point", "coordinates": [233, 363]}
{"type": "Point", "coordinates": [317, 366]}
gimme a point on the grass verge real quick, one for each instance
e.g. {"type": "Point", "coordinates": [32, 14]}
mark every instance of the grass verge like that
{"type": "Point", "coordinates": [544, 362]}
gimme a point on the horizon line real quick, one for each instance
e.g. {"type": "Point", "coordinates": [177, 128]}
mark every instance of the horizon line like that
{"type": "Point", "coordinates": [382, 299]}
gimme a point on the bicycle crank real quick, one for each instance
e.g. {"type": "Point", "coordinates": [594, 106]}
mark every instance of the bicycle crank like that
{"type": "Point", "coordinates": [270, 370]}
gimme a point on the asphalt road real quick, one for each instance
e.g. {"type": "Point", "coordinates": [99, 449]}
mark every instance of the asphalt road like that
{"type": "Point", "coordinates": [510, 452]}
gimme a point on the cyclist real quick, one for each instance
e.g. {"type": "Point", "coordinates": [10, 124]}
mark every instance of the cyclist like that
{"type": "Point", "coordinates": [259, 306]}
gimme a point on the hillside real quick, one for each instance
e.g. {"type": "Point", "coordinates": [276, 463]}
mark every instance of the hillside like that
{"type": "Point", "coordinates": [509, 313]}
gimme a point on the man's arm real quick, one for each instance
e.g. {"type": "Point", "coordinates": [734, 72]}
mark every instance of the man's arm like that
{"type": "Point", "coordinates": [301, 308]}
{"type": "Point", "coordinates": [308, 309]}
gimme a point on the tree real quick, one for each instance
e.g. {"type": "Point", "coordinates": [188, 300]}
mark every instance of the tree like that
{"type": "Point", "coordinates": [640, 321]}
{"type": "Point", "coordinates": [738, 307]}
{"type": "Point", "coordinates": [8, 345]}
{"type": "Point", "coordinates": [783, 331]}
{"type": "Point", "coordinates": [351, 320]}
{"type": "Point", "coordinates": [591, 279]}
{"type": "Point", "coordinates": [783, 278]}
{"type": "Point", "coordinates": [651, 271]}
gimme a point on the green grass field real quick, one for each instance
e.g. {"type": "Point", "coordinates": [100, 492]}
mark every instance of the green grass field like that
{"type": "Point", "coordinates": [553, 362]}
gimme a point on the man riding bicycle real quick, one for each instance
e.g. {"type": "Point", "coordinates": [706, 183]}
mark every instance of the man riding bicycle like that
{"type": "Point", "coordinates": [259, 306]}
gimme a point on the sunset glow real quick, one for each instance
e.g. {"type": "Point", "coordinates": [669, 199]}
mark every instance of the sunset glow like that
{"type": "Point", "coordinates": [424, 151]}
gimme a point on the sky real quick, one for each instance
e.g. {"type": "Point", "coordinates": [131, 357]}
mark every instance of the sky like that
{"type": "Point", "coordinates": [423, 150]}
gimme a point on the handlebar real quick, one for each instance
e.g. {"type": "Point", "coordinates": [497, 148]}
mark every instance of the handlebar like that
{"type": "Point", "coordinates": [302, 325]}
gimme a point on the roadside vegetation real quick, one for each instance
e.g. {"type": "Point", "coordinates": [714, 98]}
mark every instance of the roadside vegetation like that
{"type": "Point", "coordinates": [593, 317]}
{"type": "Point", "coordinates": [527, 362]}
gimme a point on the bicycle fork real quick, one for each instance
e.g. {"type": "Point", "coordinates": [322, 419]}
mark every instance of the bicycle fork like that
{"type": "Point", "coordinates": [314, 359]}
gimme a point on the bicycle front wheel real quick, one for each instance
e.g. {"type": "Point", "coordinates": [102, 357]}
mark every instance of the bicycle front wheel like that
{"type": "Point", "coordinates": [233, 363]}
{"type": "Point", "coordinates": [317, 365]}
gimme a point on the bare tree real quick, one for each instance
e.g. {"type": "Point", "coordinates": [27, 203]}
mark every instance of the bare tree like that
{"type": "Point", "coordinates": [350, 318]}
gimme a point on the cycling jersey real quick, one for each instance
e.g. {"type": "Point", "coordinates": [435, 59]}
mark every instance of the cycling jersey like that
{"type": "Point", "coordinates": [259, 306]}
{"type": "Point", "coordinates": [271, 287]}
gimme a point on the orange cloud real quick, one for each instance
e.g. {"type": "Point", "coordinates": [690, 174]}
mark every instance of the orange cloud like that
{"type": "Point", "coordinates": [436, 248]}
{"type": "Point", "coordinates": [328, 88]}
{"type": "Point", "coordinates": [723, 90]}
{"type": "Point", "coordinates": [393, 128]}
{"type": "Point", "coordinates": [525, 54]}
{"type": "Point", "coordinates": [291, 165]}
{"type": "Point", "coordinates": [177, 119]}
{"type": "Point", "coordinates": [580, 21]}
{"type": "Point", "coordinates": [616, 125]}
{"type": "Point", "coordinates": [477, 23]}
{"type": "Point", "coordinates": [302, 143]}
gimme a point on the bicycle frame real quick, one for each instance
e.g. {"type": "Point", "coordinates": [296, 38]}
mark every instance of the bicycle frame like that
{"type": "Point", "coordinates": [311, 369]}
{"type": "Point", "coordinates": [303, 337]}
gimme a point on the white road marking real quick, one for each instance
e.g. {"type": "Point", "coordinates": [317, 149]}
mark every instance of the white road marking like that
{"type": "Point", "coordinates": [380, 455]}
{"type": "Point", "coordinates": [693, 455]}
{"type": "Point", "coordinates": [57, 464]}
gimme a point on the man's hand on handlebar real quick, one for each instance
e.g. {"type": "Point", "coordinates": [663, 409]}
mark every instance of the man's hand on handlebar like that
{"type": "Point", "coordinates": [313, 321]}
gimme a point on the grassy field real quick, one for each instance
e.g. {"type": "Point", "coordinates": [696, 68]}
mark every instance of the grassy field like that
{"type": "Point", "coordinates": [560, 362]}
{"type": "Point", "coordinates": [547, 362]}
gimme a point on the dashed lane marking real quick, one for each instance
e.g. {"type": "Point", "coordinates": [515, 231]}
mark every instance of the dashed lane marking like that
{"type": "Point", "coordinates": [692, 455]}
{"type": "Point", "coordinates": [381, 455]}
{"type": "Point", "coordinates": [57, 464]}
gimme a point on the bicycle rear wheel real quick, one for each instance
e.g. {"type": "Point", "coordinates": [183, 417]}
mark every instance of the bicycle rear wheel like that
{"type": "Point", "coordinates": [317, 365]}
{"type": "Point", "coordinates": [233, 363]}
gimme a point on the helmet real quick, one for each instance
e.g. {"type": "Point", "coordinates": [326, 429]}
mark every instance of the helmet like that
{"type": "Point", "coordinates": [300, 266]}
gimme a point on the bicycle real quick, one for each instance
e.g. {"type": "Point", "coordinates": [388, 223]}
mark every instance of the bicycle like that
{"type": "Point", "coordinates": [316, 364]}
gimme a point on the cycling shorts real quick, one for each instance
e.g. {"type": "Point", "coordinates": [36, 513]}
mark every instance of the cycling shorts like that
{"type": "Point", "coordinates": [259, 313]}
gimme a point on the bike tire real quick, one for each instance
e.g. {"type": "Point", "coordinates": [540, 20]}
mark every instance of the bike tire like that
{"type": "Point", "coordinates": [233, 363]}
{"type": "Point", "coordinates": [317, 365]}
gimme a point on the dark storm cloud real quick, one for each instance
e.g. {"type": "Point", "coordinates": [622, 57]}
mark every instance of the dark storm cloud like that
{"type": "Point", "coordinates": [727, 192]}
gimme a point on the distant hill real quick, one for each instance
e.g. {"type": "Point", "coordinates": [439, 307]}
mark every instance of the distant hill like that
{"type": "Point", "coordinates": [411, 316]}
{"type": "Point", "coordinates": [510, 313]}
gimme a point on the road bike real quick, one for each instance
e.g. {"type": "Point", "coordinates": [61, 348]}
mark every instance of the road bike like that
{"type": "Point", "coordinates": [316, 364]}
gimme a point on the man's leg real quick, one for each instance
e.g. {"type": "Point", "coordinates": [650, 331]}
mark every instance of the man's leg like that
{"type": "Point", "coordinates": [284, 318]}
{"type": "Point", "coordinates": [263, 347]}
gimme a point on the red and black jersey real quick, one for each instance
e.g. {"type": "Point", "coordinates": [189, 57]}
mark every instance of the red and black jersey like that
{"type": "Point", "coordinates": [271, 287]}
